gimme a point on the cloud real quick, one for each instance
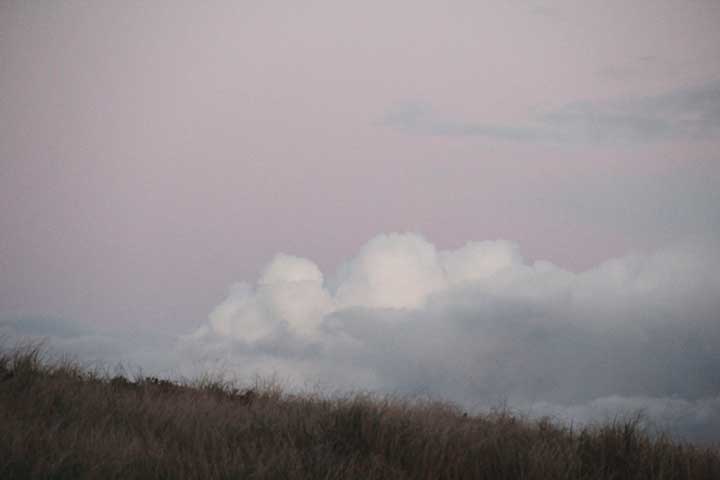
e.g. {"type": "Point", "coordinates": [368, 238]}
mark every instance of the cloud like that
{"type": "Point", "coordinates": [39, 325]}
{"type": "Point", "coordinates": [420, 118]}
{"type": "Point", "coordinates": [130, 350]}
{"type": "Point", "coordinates": [289, 297]}
{"type": "Point", "coordinates": [481, 325]}
{"type": "Point", "coordinates": [391, 272]}
{"type": "Point", "coordinates": [696, 420]}
{"type": "Point", "coordinates": [685, 113]}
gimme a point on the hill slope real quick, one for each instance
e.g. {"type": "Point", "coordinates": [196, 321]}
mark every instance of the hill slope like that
{"type": "Point", "coordinates": [60, 421]}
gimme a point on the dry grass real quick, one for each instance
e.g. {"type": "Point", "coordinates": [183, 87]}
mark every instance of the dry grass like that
{"type": "Point", "coordinates": [60, 421]}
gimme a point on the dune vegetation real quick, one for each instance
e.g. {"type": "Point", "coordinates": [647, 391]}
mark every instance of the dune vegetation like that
{"type": "Point", "coordinates": [59, 420]}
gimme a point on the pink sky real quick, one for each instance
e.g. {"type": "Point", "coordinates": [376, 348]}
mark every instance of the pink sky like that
{"type": "Point", "coordinates": [152, 154]}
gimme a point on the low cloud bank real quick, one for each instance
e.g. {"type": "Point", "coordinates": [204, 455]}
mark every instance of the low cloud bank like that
{"type": "Point", "coordinates": [481, 325]}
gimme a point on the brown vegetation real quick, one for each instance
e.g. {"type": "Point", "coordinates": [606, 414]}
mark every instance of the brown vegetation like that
{"type": "Point", "coordinates": [60, 421]}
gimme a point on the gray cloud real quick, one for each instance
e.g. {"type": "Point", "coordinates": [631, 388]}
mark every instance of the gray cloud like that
{"type": "Point", "coordinates": [687, 113]}
{"type": "Point", "coordinates": [38, 325]}
{"type": "Point", "coordinates": [695, 420]}
{"type": "Point", "coordinates": [140, 349]}
{"type": "Point", "coordinates": [482, 326]}
{"type": "Point", "coordinates": [421, 119]}
{"type": "Point", "coordinates": [479, 325]}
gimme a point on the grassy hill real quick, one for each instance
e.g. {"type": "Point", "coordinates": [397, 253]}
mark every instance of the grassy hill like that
{"type": "Point", "coordinates": [59, 421]}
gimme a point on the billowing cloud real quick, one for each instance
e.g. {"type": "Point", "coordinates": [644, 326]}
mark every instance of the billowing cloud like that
{"type": "Point", "coordinates": [289, 297]}
{"type": "Point", "coordinates": [481, 325]}
{"type": "Point", "coordinates": [402, 273]}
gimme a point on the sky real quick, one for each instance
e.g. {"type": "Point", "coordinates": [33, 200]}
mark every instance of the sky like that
{"type": "Point", "coordinates": [490, 202]}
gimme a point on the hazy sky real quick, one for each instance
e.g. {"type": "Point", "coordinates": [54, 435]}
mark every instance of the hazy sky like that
{"type": "Point", "coordinates": [154, 153]}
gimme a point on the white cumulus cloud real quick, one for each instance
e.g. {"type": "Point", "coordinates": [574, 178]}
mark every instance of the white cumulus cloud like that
{"type": "Point", "coordinates": [395, 271]}
{"type": "Point", "coordinates": [482, 325]}
{"type": "Point", "coordinates": [479, 325]}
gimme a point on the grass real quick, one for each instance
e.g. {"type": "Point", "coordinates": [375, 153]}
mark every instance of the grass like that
{"type": "Point", "coordinates": [60, 421]}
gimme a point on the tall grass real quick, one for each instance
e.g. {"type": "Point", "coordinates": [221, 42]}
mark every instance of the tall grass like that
{"type": "Point", "coordinates": [60, 421]}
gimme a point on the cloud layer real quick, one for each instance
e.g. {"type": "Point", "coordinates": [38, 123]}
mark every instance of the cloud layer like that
{"type": "Point", "coordinates": [481, 325]}
{"type": "Point", "coordinates": [685, 113]}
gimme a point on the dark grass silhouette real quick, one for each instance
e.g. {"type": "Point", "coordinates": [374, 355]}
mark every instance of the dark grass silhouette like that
{"type": "Point", "coordinates": [59, 421]}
